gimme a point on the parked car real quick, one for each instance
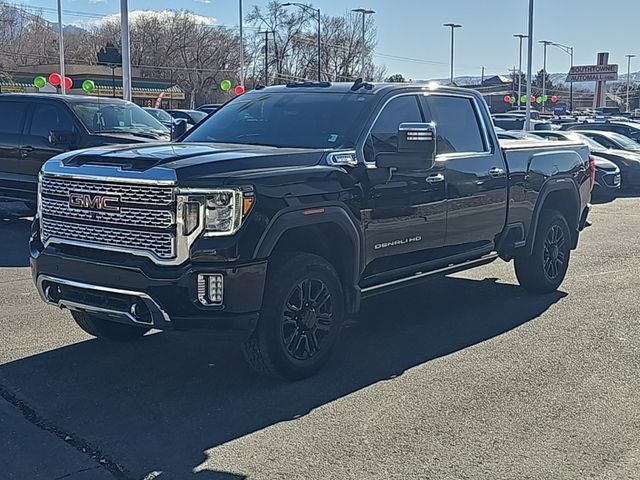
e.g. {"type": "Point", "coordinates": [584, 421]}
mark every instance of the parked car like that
{"type": "Point", "coordinates": [608, 177]}
{"type": "Point", "coordinates": [275, 216]}
{"type": "Point", "coordinates": [209, 107]}
{"type": "Point", "coordinates": [612, 140]}
{"type": "Point", "coordinates": [628, 129]}
{"type": "Point", "coordinates": [162, 116]}
{"type": "Point", "coordinates": [36, 127]}
{"type": "Point", "coordinates": [628, 161]}
{"type": "Point", "coordinates": [516, 135]}
{"type": "Point", "coordinates": [191, 116]}
{"type": "Point", "coordinates": [513, 122]}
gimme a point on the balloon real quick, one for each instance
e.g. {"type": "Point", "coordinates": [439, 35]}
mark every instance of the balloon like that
{"type": "Point", "coordinates": [39, 82]}
{"type": "Point", "coordinates": [68, 83]}
{"type": "Point", "coordinates": [523, 99]}
{"type": "Point", "coordinates": [506, 99]}
{"type": "Point", "coordinates": [545, 98]}
{"type": "Point", "coordinates": [239, 90]}
{"type": "Point", "coordinates": [539, 100]}
{"type": "Point", "coordinates": [554, 98]}
{"type": "Point", "coordinates": [225, 85]}
{"type": "Point", "coordinates": [512, 100]}
{"type": "Point", "coordinates": [88, 86]}
{"type": "Point", "coordinates": [532, 99]}
{"type": "Point", "coordinates": [55, 79]}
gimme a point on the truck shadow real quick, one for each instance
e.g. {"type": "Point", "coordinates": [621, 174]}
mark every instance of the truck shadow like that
{"type": "Point", "coordinates": [14, 237]}
{"type": "Point", "coordinates": [161, 404]}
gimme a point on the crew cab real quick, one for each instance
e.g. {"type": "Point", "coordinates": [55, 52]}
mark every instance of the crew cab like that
{"type": "Point", "coordinates": [36, 127]}
{"type": "Point", "coordinates": [274, 218]}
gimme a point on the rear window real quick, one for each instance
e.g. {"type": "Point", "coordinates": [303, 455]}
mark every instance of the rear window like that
{"type": "Point", "coordinates": [12, 115]}
{"type": "Point", "coordinates": [456, 122]}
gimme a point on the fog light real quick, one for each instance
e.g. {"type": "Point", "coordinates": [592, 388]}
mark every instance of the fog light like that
{"type": "Point", "coordinates": [210, 289]}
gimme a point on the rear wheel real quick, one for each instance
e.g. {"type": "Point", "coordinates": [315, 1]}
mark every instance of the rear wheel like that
{"type": "Point", "coordinates": [545, 268]}
{"type": "Point", "coordinates": [107, 329]}
{"type": "Point", "coordinates": [300, 320]}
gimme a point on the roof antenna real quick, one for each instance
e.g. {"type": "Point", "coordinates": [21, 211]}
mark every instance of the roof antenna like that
{"type": "Point", "coordinates": [357, 85]}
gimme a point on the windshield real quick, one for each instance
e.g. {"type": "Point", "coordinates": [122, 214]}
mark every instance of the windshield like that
{"type": "Point", "coordinates": [122, 117]}
{"type": "Point", "coordinates": [625, 143]}
{"type": "Point", "coordinates": [589, 142]}
{"type": "Point", "coordinates": [160, 115]}
{"type": "Point", "coordinates": [196, 115]}
{"type": "Point", "coordinates": [290, 119]}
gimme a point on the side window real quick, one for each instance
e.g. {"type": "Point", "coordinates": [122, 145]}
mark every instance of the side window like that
{"type": "Point", "coordinates": [605, 141]}
{"type": "Point", "coordinates": [12, 115]}
{"type": "Point", "coordinates": [47, 117]}
{"type": "Point", "coordinates": [457, 124]}
{"type": "Point", "coordinates": [384, 134]}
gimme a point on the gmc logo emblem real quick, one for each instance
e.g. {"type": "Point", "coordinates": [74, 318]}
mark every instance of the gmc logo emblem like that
{"type": "Point", "coordinates": [91, 201]}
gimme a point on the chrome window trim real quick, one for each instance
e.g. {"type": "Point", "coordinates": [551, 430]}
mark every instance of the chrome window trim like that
{"type": "Point", "coordinates": [426, 92]}
{"type": "Point", "coordinates": [88, 286]}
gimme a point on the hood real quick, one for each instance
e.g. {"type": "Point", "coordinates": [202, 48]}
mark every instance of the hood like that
{"type": "Point", "coordinates": [195, 160]}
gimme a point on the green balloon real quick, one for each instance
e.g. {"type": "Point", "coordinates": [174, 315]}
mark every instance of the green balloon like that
{"type": "Point", "coordinates": [88, 86]}
{"type": "Point", "coordinates": [512, 100]}
{"type": "Point", "coordinates": [39, 82]}
{"type": "Point", "coordinates": [545, 98]}
{"type": "Point", "coordinates": [523, 99]}
{"type": "Point", "coordinates": [225, 85]}
{"type": "Point", "coordinates": [539, 100]}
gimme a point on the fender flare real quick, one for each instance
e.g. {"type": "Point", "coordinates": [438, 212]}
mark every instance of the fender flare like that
{"type": "Point", "coordinates": [553, 184]}
{"type": "Point", "coordinates": [317, 215]}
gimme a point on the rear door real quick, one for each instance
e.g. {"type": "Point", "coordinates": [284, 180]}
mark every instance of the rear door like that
{"type": "Point", "coordinates": [474, 169]}
{"type": "Point", "coordinates": [13, 178]}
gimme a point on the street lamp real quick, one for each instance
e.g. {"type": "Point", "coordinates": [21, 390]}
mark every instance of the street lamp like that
{"type": "Point", "coordinates": [316, 12]}
{"type": "Point", "coordinates": [364, 13]}
{"type": "Point", "coordinates": [569, 51]}
{"type": "Point", "coordinates": [527, 122]}
{"type": "Point", "coordinates": [520, 36]}
{"type": "Point", "coordinates": [545, 44]}
{"type": "Point", "coordinates": [629, 57]}
{"type": "Point", "coordinates": [453, 27]}
{"type": "Point", "coordinates": [63, 88]}
{"type": "Point", "coordinates": [126, 50]}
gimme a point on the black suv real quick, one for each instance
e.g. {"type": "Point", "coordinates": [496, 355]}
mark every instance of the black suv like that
{"type": "Point", "coordinates": [36, 127]}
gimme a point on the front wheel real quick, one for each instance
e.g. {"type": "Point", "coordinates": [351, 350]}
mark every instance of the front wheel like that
{"type": "Point", "coordinates": [300, 320]}
{"type": "Point", "coordinates": [107, 329]}
{"type": "Point", "coordinates": [545, 268]}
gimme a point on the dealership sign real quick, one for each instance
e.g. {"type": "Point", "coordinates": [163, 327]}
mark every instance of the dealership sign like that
{"type": "Point", "coordinates": [593, 73]}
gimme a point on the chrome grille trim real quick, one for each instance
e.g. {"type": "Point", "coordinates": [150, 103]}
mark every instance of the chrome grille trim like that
{"type": "Point", "coordinates": [160, 244]}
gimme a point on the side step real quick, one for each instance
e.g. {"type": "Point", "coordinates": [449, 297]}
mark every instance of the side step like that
{"type": "Point", "coordinates": [420, 276]}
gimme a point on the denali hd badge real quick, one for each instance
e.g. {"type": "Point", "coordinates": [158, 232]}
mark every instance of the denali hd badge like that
{"type": "Point", "coordinates": [94, 201]}
{"type": "Point", "coordinates": [395, 243]}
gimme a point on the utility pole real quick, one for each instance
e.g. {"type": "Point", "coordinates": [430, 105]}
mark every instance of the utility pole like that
{"type": "Point", "coordinates": [452, 26]}
{"type": "Point", "coordinates": [513, 80]}
{"type": "Point", "coordinates": [527, 123]}
{"type": "Point", "coordinates": [126, 51]}
{"type": "Point", "coordinates": [520, 36]}
{"type": "Point", "coordinates": [545, 44]}
{"type": "Point", "coordinates": [240, 19]}
{"type": "Point", "coordinates": [629, 57]}
{"type": "Point", "coordinates": [364, 13]}
{"type": "Point", "coordinates": [569, 51]}
{"type": "Point", "coordinates": [266, 55]}
{"type": "Point", "coordinates": [482, 76]}
{"type": "Point", "coordinates": [63, 88]}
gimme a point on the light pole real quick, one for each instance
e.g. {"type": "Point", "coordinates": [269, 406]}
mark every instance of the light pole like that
{"type": "Point", "coordinates": [520, 36]}
{"type": "Point", "coordinates": [63, 89]}
{"type": "Point", "coordinates": [266, 54]}
{"type": "Point", "coordinates": [126, 52]}
{"type": "Point", "coordinates": [569, 51]}
{"type": "Point", "coordinates": [527, 123]}
{"type": "Point", "coordinates": [453, 27]}
{"type": "Point", "coordinates": [364, 12]}
{"type": "Point", "coordinates": [316, 12]}
{"type": "Point", "coordinates": [240, 20]}
{"type": "Point", "coordinates": [629, 57]}
{"type": "Point", "coordinates": [545, 44]}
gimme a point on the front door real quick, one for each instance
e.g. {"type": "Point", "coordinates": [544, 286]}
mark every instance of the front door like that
{"type": "Point", "coordinates": [474, 170]}
{"type": "Point", "coordinates": [404, 210]}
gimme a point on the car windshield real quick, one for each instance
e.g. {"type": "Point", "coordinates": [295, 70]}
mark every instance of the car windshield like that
{"type": "Point", "coordinates": [625, 143]}
{"type": "Point", "coordinates": [589, 142]}
{"type": "Point", "coordinates": [196, 115]}
{"type": "Point", "coordinates": [125, 117]}
{"type": "Point", "coordinates": [158, 114]}
{"type": "Point", "coordinates": [289, 119]}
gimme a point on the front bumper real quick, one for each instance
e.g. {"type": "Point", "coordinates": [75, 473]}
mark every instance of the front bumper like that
{"type": "Point", "coordinates": [140, 293]}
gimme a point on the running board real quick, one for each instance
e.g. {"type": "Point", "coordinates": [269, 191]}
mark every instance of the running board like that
{"type": "Point", "coordinates": [416, 278]}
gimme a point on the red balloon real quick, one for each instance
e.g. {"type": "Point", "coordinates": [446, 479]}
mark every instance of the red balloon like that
{"type": "Point", "coordinates": [506, 99]}
{"type": "Point", "coordinates": [239, 90]}
{"type": "Point", "coordinates": [68, 83]}
{"type": "Point", "coordinates": [554, 98]}
{"type": "Point", "coordinates": [55, 79]}
{"type": "Point", "coordinates": [532, 99]}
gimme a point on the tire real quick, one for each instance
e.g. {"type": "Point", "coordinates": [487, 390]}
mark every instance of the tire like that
{"type": "Point", "coordinates": [544, 270]}
{"type": "Point", "coordinates": [300, 320]}
{"type": "Point", "coordinates": [106, 329]}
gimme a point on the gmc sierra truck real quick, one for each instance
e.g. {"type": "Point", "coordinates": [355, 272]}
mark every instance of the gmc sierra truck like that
{"type": "Point", "coordinates": [276, 216]}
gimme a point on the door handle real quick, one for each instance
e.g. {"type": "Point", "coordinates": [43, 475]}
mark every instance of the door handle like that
{"type": "Point", "coordinates": [437, 178]}
{"type": "Point", "coordinates": [496, 172]}
{"type": "Point", "coordinates": [25, 150]}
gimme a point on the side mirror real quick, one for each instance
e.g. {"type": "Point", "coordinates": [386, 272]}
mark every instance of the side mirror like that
{"type": "Point", "coordinates": [416, 148]}
{"type": "Point", "coordinates": [180, 127]}
{"type": "Point", "coordinates": [63, 138]}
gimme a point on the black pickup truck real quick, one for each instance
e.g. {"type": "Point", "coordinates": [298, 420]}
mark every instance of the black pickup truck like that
{"type": "Point", "coordinates": [276, 216]}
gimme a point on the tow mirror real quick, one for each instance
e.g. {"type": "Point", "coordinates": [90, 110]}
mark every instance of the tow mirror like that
{"type": "Point", "coordinates": [416, 148]}
{"type": "Point", "coordinates": [63, 138]}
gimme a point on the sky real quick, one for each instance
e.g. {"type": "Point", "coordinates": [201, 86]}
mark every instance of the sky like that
{"type": "Point", "coordinates": [412, 29]}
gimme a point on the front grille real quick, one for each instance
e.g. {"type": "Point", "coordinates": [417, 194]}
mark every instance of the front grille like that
{"type": "Point", "coordinates": [142, 221]}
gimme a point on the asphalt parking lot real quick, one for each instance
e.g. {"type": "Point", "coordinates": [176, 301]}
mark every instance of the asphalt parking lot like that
{"type": "Point", "coordinates": [462, 377]}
